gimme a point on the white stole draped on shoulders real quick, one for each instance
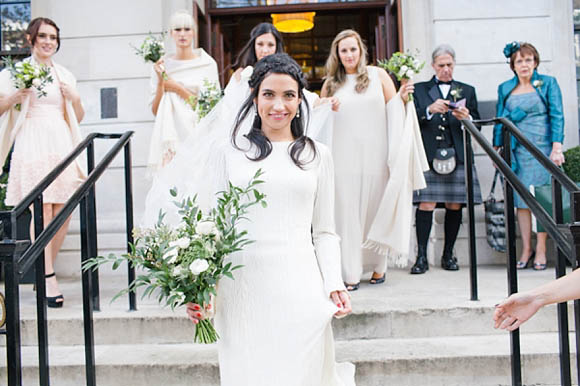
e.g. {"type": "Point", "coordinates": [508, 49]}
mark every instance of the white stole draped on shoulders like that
{"type": "Point", "coordinates": [12, 119]}
{"type": "Point", "coordinates": [390, 233]}
{"type": "Point", "coordinates": [175, 119]}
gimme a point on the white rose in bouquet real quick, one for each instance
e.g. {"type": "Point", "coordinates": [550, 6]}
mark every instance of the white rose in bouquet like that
{"type": "Point", "coordinates": [206, 228]}
{"type": "Point", "coordinates": [171, 255]}
{"type": "Point", "coordinates": [410, 74]}
{"type": "Point", "coordinates": [181, 243]}
{"type": "Point", "coordinates": [198, 266]}
{"type": "Point", "coordinates": [36, 82]}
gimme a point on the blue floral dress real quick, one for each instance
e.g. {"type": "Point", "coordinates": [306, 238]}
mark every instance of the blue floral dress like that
{"type": "Point", "coordinates": [536, 127]}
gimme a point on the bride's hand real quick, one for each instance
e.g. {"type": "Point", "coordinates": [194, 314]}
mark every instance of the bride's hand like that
{"type": "Point", "coordinates": [194, 312]}
{"type": "Point", "coordinates": [342, 301]}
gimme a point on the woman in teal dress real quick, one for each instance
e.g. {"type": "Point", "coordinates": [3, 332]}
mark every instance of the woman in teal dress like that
{"type": "Point", "coordinates": [533, 102]}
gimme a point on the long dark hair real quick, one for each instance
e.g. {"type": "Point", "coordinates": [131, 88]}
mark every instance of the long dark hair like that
{"type": "Point", "coordinates": [247, 55]}
{"type": "Point", "coordinates": [275, 64]}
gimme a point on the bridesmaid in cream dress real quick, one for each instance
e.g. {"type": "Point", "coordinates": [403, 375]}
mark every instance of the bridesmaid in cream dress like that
{"type": "Point", "coordinates": [44, 132]}
{"type": "Point", "coordinates": [174, 80]}
{"type": "Point", "coordinates": [274, 318]}
{"type": "Point", "coordinates": [359, 149]}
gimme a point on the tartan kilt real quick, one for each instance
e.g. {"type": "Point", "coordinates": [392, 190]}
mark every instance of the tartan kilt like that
{"type": "Point", "coordinates": [450, 188]}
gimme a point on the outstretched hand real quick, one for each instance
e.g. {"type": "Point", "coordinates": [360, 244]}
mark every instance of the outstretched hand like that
{"type": "Point", "coordinates": [342, 300]}
{"type": "Point", "coordinates": [515, 310]}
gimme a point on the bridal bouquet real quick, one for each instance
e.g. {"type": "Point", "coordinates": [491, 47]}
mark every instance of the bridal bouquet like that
{"type": "Point", "coordinates": [208, 97]}
{"type": "Point", "coordinates": [27, 75]}
{"type": "Point", "coordinates": [403, 66]}
{"type": "Point", "coordinates": [152, 49]}
{"type": "Point", "coordinates": [183, 264]}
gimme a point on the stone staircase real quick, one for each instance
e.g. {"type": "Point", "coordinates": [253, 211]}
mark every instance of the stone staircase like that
{"type": "Point", "coordinates": [415, 330]}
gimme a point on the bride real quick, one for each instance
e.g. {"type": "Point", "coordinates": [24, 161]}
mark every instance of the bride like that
{"type": "Point", "coordinates": [274, 318]}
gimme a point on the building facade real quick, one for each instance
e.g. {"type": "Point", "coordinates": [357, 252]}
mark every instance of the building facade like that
{"type": "Point", "coordinates": [97, 39]}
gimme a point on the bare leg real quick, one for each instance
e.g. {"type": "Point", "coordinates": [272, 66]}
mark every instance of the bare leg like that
{"type": "Point", "coordinates": [58, 239]}
{"type": "Point", "coordinates": [541, 248]}
{"type": "Point", "coordinates": [51, 250]}
{"type": "Point", "coordinates": [525, 224]}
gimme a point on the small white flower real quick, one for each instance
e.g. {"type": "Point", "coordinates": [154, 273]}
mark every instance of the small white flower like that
{"type": "Point", "coordinates": [198, 266]}
{"type": "Point", "coordinates": [206, 228]}
{"type": "Point", "coordinates": [36, 82]}
{"type": "Point", "coordinates": [176, 271]}
{"type": "Point", "coordinates": [181, 243]}
{"type": "Point", "coordinates": [404, 68]}
{"type": "Point", "coordinates": [247, 73]}
{"type": "Point", "coordinates": [171, 255]}
{"type": "Point", "coordinates": [410, 74]}
{"type": "Point", "coordinates": [537, 83]}
{"type": "Point", "coordinates": [453, 92]}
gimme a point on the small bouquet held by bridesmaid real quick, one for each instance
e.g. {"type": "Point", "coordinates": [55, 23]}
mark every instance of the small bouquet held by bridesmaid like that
{"type": "Point", "coordinates": [27, 75]}
{"type": "Point", "coordinates": [403, 66]}
{"type": "Point", "coordinates": [208, 97]}
{"type": "Point", "coordinates": [152, 49]}
{"type": "Point", "coordinates": [183, 264]}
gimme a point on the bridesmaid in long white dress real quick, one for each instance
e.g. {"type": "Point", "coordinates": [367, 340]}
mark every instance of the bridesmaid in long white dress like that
{"type": "Point", "coordinates": [274, 318]}
{"type": "Point", "coordinates": [44, 131]}
{"type": "Point", "coordinates": [175, 80]}
{"type": "Point", "coordinates": [359, 150]}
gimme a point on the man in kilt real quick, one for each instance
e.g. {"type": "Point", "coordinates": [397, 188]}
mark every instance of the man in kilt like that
{"type": "Point", "coordinates": [441, 103]}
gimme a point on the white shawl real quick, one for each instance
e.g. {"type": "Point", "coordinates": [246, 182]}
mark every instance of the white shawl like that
{"type": "Point", "coordinates": [11, 121]}
{"type": "Point", "coordinates": [175, 119]}
{"type": "Point", "coordinates": [390, 233]}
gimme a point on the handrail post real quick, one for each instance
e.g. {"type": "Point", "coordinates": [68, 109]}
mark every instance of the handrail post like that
{"type": "Point", "coordinates": [87, 278]}
{"type": "Point", "coordinates": [129, 221]}
{"type": "Point", "coordinates": [92, 227]}
{"type": "Point", "coordinates": [562, 308]}
{"type": "Point", "coordinates": [10, 252]}
{"type": "Point", "coordinates": [468, 153]}
{"type": "Point", "coordinates": [516, 364]}
{"type": "Point", "coordinates": [575, 257]}
{"type": "Point", "coordinates": [41, 311]}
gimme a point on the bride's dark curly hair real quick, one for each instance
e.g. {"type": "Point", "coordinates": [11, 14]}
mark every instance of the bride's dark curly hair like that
{"type": "Point", "coordinates": [275, 64]}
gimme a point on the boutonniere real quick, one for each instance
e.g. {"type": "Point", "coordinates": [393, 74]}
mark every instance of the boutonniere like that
{"type": "Point", "coordinates": [537, 83]}
{"type": "Point", "coordinates": [456, 93]}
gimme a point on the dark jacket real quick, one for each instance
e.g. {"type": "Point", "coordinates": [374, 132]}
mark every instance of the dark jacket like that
{"type": "Point", "coordinates": [548, 90]}
{"type": "Point", "coordinates": [428, 92]}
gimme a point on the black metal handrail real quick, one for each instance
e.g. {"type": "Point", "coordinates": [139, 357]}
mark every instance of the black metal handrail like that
{"type": "Point", "coordinates": [19, 255]}
{"type": "Point", "coordinates": [566, 238]}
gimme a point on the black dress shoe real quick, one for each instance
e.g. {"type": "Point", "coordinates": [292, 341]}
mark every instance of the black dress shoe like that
{"type": "Point", "coordinates": [449, 262]}
{"type": "Point", "coordinates": [421, 265]}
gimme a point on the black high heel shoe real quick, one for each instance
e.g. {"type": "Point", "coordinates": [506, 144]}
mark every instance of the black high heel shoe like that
{"type": "Point", "coordinates": [54, 301]}
{"type": "Point", "coordinates": [522, 265]}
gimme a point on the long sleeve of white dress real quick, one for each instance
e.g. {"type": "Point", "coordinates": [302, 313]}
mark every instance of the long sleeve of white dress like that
{"type": "Point", "coordinates": [326, 241]}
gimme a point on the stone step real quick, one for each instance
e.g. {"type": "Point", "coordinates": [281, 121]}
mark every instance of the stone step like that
{"type": "Point", "coordinates": [446, 361]}
{"type": "Point", "coordinates": [408, 306]}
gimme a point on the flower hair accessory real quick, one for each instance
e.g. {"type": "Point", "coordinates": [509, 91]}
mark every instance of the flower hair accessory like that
{"type": "Point", "coordinates": [510, 48]}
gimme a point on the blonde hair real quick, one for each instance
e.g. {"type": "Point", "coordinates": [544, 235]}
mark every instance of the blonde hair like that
{"type": "Point", "coordinates": [335, 72]}
{"type": "Point", "coordinates": [181, 19]}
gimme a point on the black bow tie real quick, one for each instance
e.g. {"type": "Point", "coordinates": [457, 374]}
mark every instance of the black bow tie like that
{"type": "Point", "coordinates": [442, 82]}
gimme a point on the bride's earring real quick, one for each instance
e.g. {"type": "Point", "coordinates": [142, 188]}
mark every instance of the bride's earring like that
{"type": "Point", "coordinates": [298, 114]}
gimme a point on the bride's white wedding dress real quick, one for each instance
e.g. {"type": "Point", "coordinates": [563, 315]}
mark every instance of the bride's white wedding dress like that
{"type": "Point", "coordinates": [274, 318]}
